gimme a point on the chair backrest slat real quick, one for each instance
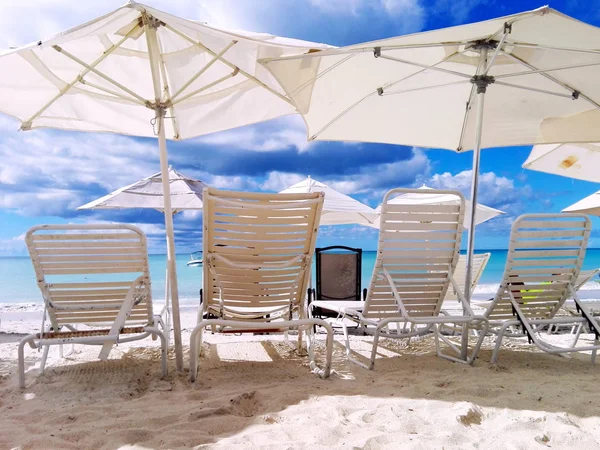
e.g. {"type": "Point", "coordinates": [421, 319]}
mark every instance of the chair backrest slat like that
{"type": "Point", "coordinates": [257, 250]}
{"type": "Point", "coordinates": [419, 248]}
{"type": "Point", "coordinates": [480, 260]}
{"type": "Point", "coordinates": [85, 271]}
{"type": "Point", "coordinates": [544, 258]}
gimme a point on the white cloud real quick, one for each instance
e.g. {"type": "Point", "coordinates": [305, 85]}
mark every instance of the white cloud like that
{"type": "Point", "coordinates": [494, 190]}
{"type": "Point", "coordinates": [46, 173]}
{"type": "Point", "coordinates": [375, 180]}
{"type": "Point", "coordinates": [277, 181]}
{"type": "Point", "coordinates": [13, 246]}
{"type": "Point", "coordinates": [284, 132]}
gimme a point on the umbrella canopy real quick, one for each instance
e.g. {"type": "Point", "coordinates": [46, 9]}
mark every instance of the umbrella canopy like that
{"type": "Point", "coordinates": [143, 72]}
{"type": "Point", "coordinates": [482, 214]}
{"type": "Point", "coordinates": [587, 205]}
{"type": "Point", "coordinates": [99, 76]}
{"type": "Point", "coordinates": [338, 208]}
{"type": "Point", "coordinates": [540, 68]}
{"type": "Point", "coordinates": [534, 75]}
{"type": "Point", "coordinates": [579, 161]}
{"type": "Point", "coordinates": [186, 193]}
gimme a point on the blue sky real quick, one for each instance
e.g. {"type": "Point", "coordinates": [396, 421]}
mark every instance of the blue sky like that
{"type": "Point", "coordinates": [45, 175]}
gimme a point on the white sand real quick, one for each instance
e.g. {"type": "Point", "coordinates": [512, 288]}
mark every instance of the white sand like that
{"type": "Point", "coordinates": [254, 391]}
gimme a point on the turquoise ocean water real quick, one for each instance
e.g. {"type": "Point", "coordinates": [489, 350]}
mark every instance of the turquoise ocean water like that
{"type": "Point", "coordinates": [17, 279]}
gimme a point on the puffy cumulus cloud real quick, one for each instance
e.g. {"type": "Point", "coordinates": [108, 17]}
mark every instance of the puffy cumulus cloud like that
{"type": "Point", "coordinates": [14, 246]}
{"type": "Point", "coordinates": [277, 181]}
{"type": "Point", "coordinates": [499, 192]}
{"type": "Point", "coordinates": [494, 190]}
{"type": "Point", "coordinates": [49, 173]}
{"type": "Point", "coordinates": [409, 15]}
{"type": "Point", "coordinates": [457, 11]}
{"type": "Point", "coordinates": [375, 180]}
{"type": "Point", "coordinates": [282, 133]}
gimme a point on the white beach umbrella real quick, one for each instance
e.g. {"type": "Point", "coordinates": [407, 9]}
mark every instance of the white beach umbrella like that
{"type": "Point", "coordinates": [186, 193]}
{"type": "Point", "coordinates": [482, 214]}
{"type": "Point", "coordinates": [579, 161]}
{"type": "Point", "coordinates": [143, 72]}
{"type": "Point", "coordinates": [338, 208]}
{"type": "Point", "coordinates": [537, 72]}
{"type": "Point", "coordinates": [587, 205]}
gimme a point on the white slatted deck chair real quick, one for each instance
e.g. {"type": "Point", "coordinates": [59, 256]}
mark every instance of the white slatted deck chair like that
{"type": "Point", "coordinates": [480, 260]}
{"type": "Point", "coordinates": [584, 277]}
{"type": "Point", "coordinates": [96, 276]}
{"type": "Point", "coordinates": [417, 253]}
{"type": "Point", "coordinates": [543, 265]}
{"type": "Point", "coordinates": [257, 253]}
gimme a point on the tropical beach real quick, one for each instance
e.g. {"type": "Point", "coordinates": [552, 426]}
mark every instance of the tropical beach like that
{"type": "Point", "coordinates": [367, 224]}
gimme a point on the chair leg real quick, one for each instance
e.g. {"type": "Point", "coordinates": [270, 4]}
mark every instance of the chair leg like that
{"type": "Point", "coordinates": [195, 346]}
{"type": "Point", "coordinates": [374, 349]}
{"type": "Point", "coordinates": [498, 343]}
{"type": "Point", "coordinates": [349, 350]}
{"type": "Point", "coordinates": [326, 371]}
{"type": "Point", "coordinates": [44, 358]}
{"type": "Point", "coordinates": [21, 352]}
{"type": "Point", "coordinates": [164, 347]}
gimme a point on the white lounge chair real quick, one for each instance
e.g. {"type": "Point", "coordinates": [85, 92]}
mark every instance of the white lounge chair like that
{"type": "Point", "coordinates": [257, 255]}
{"type": "Point", "coordinates": [543, 265]}
{"type": "Point", "coordinates": [417, 253]}
{"type": "Point", "coordinates": [93, 275]}
{"type": "Point", "coordinates": [480, 260]}
{"type": "Point", "coordinates": [584, 277]}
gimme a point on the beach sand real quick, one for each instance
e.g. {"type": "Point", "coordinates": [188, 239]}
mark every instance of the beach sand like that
{"type": "Point", "coordinates": [256, 392]}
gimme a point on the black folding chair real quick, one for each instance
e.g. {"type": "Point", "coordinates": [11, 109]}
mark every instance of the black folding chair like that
{"type": "Point", "coordinates": [338, 274]}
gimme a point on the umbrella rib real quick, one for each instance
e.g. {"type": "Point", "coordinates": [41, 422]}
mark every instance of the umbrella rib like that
{"type": "Point", "coordinates": [163, 71]}
{"type": "Point", "coordinates": [541, 156]}
{"type": "Point", "coordinates": [466, 118]}
{"type": "Point", "coordinates": [108, 91]}
{"type": "Point", "coordinates": [27, 124]}
{"type": "Point", "coordinates": [205, 87]}
{"type": "Point", "coordinates": [321, 74]}
{"type": "Point", "coordinates": [233, 66]}
{"type": "Point", "coordinates": [394, 83]}
{"type": "Point", "coordinates": [498, 48]}
{"type": "Point", "coordinates": [215, 58]}
{"type": "Point", "coordinates": [547, 47]}
{"type": "Point", "coordinates": [99, 73]}
{"type": "Point", "coordinates": [425, 66]}
{"type": "Point", "coordinates": [575, 93]}
{"type": "Point", "coordinates": [426, 87]}
{"type": "Point", "coordinates": [354, 51]}
{"type": "Point", "coordinates": [527, 88]}
{"type": "Point", "coordinates": [553, 69]}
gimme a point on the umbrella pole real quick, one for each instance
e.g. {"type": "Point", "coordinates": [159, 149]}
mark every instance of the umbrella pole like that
{"type": "Point", "coordinates": [160, 108]}
{"type": "Point", "coordinates": [168, 212]}
{"type": "Point", "coordinates": [482, 82]}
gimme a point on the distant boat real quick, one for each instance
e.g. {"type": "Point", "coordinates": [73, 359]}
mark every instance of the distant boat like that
{"type": "Point", "coordinates": [195, 259]}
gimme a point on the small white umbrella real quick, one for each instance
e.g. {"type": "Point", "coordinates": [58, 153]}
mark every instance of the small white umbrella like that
{"type": "Point", "coordinates": [482, 213]}
{"type": "Point", "coordinates": [579, 161]}
{"type": "Point", "coordinates": [587, 205]}
{"type": "Point", "coordinates": [338, 208]}
{"type": "Point", "coordinates": [186, 193]}
{"type": "Point", "coordinates": [143, 72]}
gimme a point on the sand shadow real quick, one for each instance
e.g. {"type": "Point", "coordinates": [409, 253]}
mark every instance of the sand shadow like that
{"type": "Point", "coordinates": [231, 395]}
